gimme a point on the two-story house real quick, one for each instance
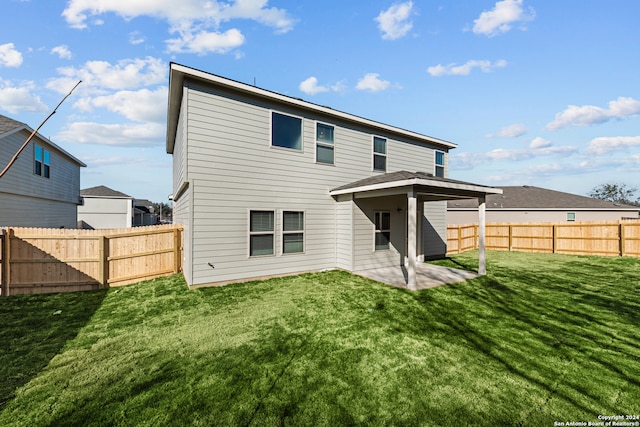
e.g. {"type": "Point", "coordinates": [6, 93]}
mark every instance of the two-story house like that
{"type": "Point", "coordinates": [267, 184]}
{"type": "Point", "coordinates": [42, 188]}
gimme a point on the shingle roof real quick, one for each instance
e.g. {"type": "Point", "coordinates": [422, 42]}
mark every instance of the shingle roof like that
{"type": "Point", "coordinates": [7, 124]}
{"type": "Point", "coordinates": [529, 197]}
{"type": "Point", "coordinates": [102, 191]}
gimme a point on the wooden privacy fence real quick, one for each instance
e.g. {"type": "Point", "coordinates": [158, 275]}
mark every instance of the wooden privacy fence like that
{"type": "Point", "coordinates": [42, 260]}
{"type": "Point", "coordinates": [621, 238]}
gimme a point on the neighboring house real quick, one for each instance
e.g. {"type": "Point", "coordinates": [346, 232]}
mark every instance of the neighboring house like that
{"type": "Point", "coordinates": [42, 188]}
{"type": "Point", "coordinates": [265, 184]}
{"type": "Point", "coordinates": [144, 213]}
{"type": "Point", "coordinates": [105, 208]}
{"type": "Point", "coordinates": [535, 204]}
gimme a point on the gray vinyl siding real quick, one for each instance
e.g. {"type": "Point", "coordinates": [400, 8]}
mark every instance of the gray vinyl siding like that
{"type": "Point", "coordinates": [25, 211]}
{"type": "Point", "coordinates": [46, 202]}
{"type": "Point", "coordinates": [365, 255]}
{"type": "Point", "coordinates": [182, 215]}
{"type": "Point", "coordinates": [179, 156]}
{"type": "Point", "coordinates": [229, 155]}
{"type": "Point", "coordinates": [182, 203]}
{"type": "Point", "coordinates": [344, 232]}
{"type": "Point", "coordinates": [434, 229]}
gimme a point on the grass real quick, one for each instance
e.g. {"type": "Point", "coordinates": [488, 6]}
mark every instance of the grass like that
{"type": "Point", "coordinates": [542, 338]}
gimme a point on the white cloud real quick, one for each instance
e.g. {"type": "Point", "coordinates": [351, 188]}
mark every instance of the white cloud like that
{"type": "Point", "coordinates": [465, 69]}
{"type": "Point", "coordinates": [142, 105]}
{"type": "Point", "coordinates": [372, 83]}
{"type": "Point", "coordinates": [539, 143]}
{"type": "Point", "coordinates": [97, 76]}
{"type": "Point", "coordinates": [395, 22]}
{"type": "Point", "coordinates": [589, 114]}
{"type": "Point", "coordinates": [501, 17]}
{"type": "Point", "coordinates": [196, 21]}
{"type": "Point", "coordinates": [538, 147]}
{"type": "Point", "coordinates": [512, 131]}
{"type": "Point", "coordinates": [62, 51]}
{"type": "Point", "coordinates": [136, 38]}
{"type": "Point", "coordinates": [310, 86]}
{"type": "Point", "coordinates": [607, 144]}
{"type": "Point", "coordinates": [129, 135]}
{"type": "Point", "coordinates": [205, 42]}
{"type": "Point", "coordinates": [9, 56]}
{"type": "Point", "coordinates": [16, 99]}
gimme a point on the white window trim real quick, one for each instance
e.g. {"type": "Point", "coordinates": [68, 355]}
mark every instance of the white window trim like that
{"type": "Point", "coordinates": [435, 164]}
{"type": "Point", "coordinates": [375, 231]}
{"type": "Point", "coordinates": [255, 233]}
{"type": "Point", "coordinates": [324, 144]}
{"type": "Point", "coordinates": [277, 147]}
{"type": "Point", "coordinates": [42, 162]}
{"type": "Point", "coordinates": [374, 153]}
{"type": "Point", "coordinates": [303, 231]}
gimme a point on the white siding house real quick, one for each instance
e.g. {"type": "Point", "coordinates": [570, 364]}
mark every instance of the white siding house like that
{"type": "Point", "coordinates": [103, 207]}
{"type": "Point", "coordinates": [42, 188]}
{"type": "Point", "coordinates": [266, 184]}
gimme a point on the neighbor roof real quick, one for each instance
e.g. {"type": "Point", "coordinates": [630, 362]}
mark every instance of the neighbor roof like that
{"type": "Point", "coordinates": [536, 198]}
{"type": "Point", "coordinates": [102, 191]}
{"type": "Point", "coordinates": [9, 126]}
{"type": "Point", "coordinates": [424, 182]}
{"type": "Point", "coordinates": [178, 73]}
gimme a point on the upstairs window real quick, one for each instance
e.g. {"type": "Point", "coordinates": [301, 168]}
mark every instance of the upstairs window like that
{"type": "Point", "coordinates": [292, 232]}
{"type": "Point", "coordinates": [383, 230]}
{"type": "Point", "coordinates": [261, 235]}
{"type": "Point", "coordinates": [379, 154]}
{"type": "Point", "coordinates": [42, 162]}
{"type": "Point", "coordinates": [571, 216]}
{"type": "Point", "coordinates": [286, 131]}
{"type": "Point", "coordinates": [324, 144]}
{"type": "Point", "coordinates": [439, 164]}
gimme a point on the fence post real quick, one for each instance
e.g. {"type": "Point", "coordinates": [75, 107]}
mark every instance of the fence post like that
{"type": "Point", "coordinates": [6, 261]}
{"type": "Point", "coordinates": [510, 238]}
{"type": "Point", "coordinates": [176, 251]}
{"type": "Point", "coordinates": [2, 263]}
{"type": "Point", "coordinates": [621, 234]}
{"type": "Point", "coordinates": [103, 273]}
{"type": "Point", "coordinates": [554, 236]}
{"type": "Point", "coordinates": [476, 236]}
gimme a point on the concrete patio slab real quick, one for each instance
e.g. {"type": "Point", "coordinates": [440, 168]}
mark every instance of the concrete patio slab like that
{"type": "Point", "coordinates": [428, 276]}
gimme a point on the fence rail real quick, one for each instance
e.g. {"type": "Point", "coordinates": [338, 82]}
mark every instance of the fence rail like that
{"type": "Point", "coordinates": [40, 260]}
{"type": "Point", "coordinates": [620, 238]}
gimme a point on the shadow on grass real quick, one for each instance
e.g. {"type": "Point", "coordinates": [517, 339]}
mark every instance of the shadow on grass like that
{"type": "Point", "coordinates": [34, 329]}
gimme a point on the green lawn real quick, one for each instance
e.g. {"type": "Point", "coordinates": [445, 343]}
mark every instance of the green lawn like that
{"type": "Point", "coordinates": [542, 338]}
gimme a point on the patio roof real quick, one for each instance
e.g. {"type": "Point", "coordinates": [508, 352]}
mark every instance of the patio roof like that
{"type": "Point", "coordinates": [425, 184]}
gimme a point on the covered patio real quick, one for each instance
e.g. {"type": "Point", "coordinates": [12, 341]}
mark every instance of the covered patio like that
{"type": "Point", "coordinates": [420, 187]}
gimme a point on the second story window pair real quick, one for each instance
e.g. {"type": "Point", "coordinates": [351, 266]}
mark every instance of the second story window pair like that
{"type": "Point", "coordinates": [42, 162]}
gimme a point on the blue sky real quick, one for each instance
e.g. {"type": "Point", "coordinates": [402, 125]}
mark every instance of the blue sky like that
{"type": "Point", "coordinates": [542, 93]}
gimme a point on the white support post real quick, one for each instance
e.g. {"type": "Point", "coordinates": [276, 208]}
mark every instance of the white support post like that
{"type": "Point", "coordinates": [482, 223]}
{"type": "Point", "coordinates": [412, 239]}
